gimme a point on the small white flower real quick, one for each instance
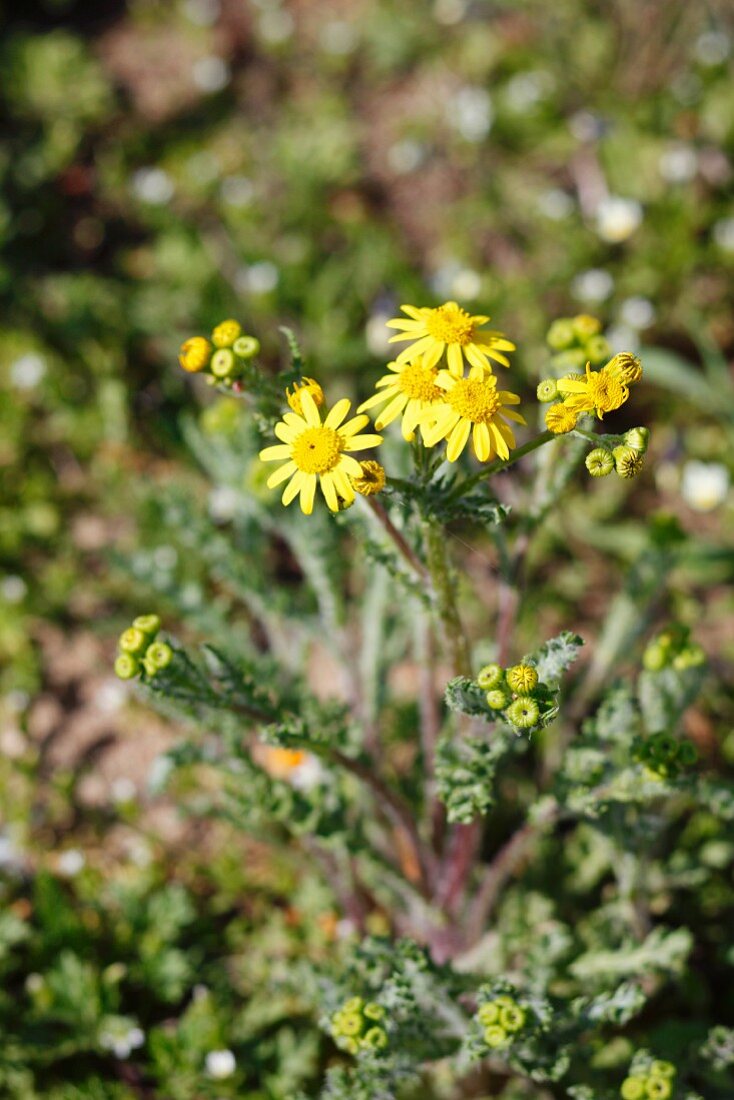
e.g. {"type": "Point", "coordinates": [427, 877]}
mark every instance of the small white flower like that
{"type": "Point", "coordinates": [704, 485]}
{"type": "Point", "coordinates": [470, 112]}
{"type": "Point", "coordinates": [637, 312]}
{"type": "Point", "coordinates": [555, 204]}
{"type": "Point", "coordinates": [210, 74]}
{"type": "Point", "coordinates": [308, 774]}
{"type": "Point", "coordinates": [617, 218]}
{"type": "Point", "coordinates": [27, 371]}
{"type": "Point", "coordinates": [594, 285]}
{"type": "Point", "coordinates": [724, 234]}
{"type": "Point", "coordinates": [259, 278]}
{"type": "Point", "coordinates": [220, 1064]}
{"type": "Point", "coordinates": [467, 284]}
{"type": "Point", "coordinates": [223, 503]}
{"type": "Point", "coordinates": [70, 862]}
{"type": "Point", "coordinates": [152, 185]}
{"type": "Point", "coordinates": [679, 163]}
{"type": "Point", "coordinates": [405, 156]}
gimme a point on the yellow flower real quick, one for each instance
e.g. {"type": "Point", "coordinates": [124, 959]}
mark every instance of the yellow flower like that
{"type": "Point", "coordinates": [472, 406]}
{"type": "Point", "coordinates": [294, 397]}
{"type": "Point", "coordinates": [561, 418]}
{"type": "Point", "coordinates": [451, 329]}
{"type": "Point", "coordinates": [411, 390]}
{"type": "Point", "coordinates": [312, 452]}
{"type": "Point", "coordinates": [598, 391]}
{"type": "Point", "coordinates": [225, 334]}
{"type": "Point", "coordinates": [195, 354]}
{"type": "Point", "coordinates": [625, 367]}
{"type": "Point", "coordinates": [371, 480]}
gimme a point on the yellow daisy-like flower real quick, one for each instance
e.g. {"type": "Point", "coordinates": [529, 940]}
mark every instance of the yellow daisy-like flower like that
{"type": "Point", "coordinates": [195, 354]}
{"type": "Point", "coordinates": [313, 452]}
{"type": "Point", "coordinates": [625, 367]}
{"type": "Point", "coordinates": [561, 418]}
{"type": "Point", "coordinates": [472, 406]}
{"type": "Point", "coordinates": [371, 480]}
{"type": "Point", "coordinates": [599, 391]}
{"type": "Point", "coordinates": [451, 329]}
{"type": "Point", "coordinates": [294, 396]}
{"type": "Point", "coordinates": [411, 390]}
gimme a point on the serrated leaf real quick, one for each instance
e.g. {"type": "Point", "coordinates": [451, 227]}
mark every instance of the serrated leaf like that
{"type": "Point", "coordinates": [556, 655]}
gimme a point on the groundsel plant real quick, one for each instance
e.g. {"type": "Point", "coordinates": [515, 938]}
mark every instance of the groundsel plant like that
{"type": "Point", "coordinates": [490, 821]}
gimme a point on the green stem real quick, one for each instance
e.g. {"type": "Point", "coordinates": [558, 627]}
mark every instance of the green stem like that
{"type": "Point", "coordinates": [445, 597]}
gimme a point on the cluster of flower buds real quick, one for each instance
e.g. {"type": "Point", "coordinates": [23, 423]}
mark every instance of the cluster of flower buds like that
{"type": "Point", "coordinates": [577, 341]}
{"type": "Point", "coordinates": [357, 1025]}
{"type": "Point", "coordinates": [223, 358]}
{"type": "Point", "coordinates": [672, 648]}
{"type": "Point", "coordinates": [654, 1081]}
{"type": "Point", "coordinates": [665, 756]}
{"type": "Point", "coordinates": [514, 691]}
{"type": "Point", "coordinates": [501, 1019]}
{"type": "Point", "coordinates": [139, 651]}
{"type": "Point", "coordinates": [626, 457]}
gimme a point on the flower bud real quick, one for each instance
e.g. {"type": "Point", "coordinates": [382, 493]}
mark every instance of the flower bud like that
{"type": "Point", "coordinates": [127, 666]}
{"type": "Point", "coordinates": [223, 364]}
{"type": "Point", "coordinates": [512, 1018]}
{"type": "Point", "coordinates": [597, 349]}
{"type": "Point", "coordinates": [522, 678]}
{"type": "Point", "coordinates": [495, 1036]}
{"type": "Point", "coordinates": [491, 676]}
{"type": "Point", "coordinates": [561, 418]}
{"type": "Point", "coordinates": [374, 1011]}
{"type": "Point", "coordinates": [149, 624]}
{"type": "Point", "coordinates": [294, 396]}
{"type": "Point", "coordinates": [625, 367]}
{"type": "Point", "coordinates": [637, 439]}
{"type": "Point", "coordinates": [375, 1038]}
{"type": "Point", "coordinates": [226, 333]}
{"type": "Point", "coordinates": [627, 462]}
{"type": "Point", "coordinates": [633, 1088]}
{"type": "Point", "coordinates": [351, 1024]}
{"type": "Point", "coordinates": [561, 334]}
{"type": "Point", "coordinates": [687, 754]}
{"type": "Point", "coordinates": [158, 656]}
{"type": "Point", "coordinates": [599, 462]}
{"type": "Point", "coordinates": [246, 347]}
{"type": "Point", "coordinates": [523, 713]}
{"type": "Point", "coordinates": [655, 657]}
{"type": "Point", "coordinates": [133, 641]}
{"type": "Point", "coordinates": [372, 479]}
{"type": "Point", "coordinates": [662, 1069]}
{"type": "Point", "coordinates": [693, 656]}
{"type": "Point", "coordinates": [547, 390]}
{"type": "Point", "coordinates": [584, 326]}
{"type": "Point", "coordinates": [488, 1014]}
{"type": "Point", "coordinates": [497, 700]}
{"type": "Point", "coordinates": [658, 1088]}
{"type": "Point", "coordinates": [195, 354]}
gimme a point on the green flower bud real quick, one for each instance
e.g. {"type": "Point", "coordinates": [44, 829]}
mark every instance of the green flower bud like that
{"type": "Point", "coordinates": [354, 1004]}
{"type": "Point", "coordinates": [662, 1069]}
{"type": "Point", "coordinates": [524, 712]}
{"type": "Point", "coordinates": [658, 1088]}
{"type": "Point", "coordinates": [585, 326]}
{"type": "Point", "coordinates": [522, 678]}
{"type": "Point", "coordinates": [495, 1036]}
{"type": "Point", "coordinates": [597, 349]}
{"type": "Point", "coordinates": [664, 747]}
{"type": "Point", "coordinates": [374, 1011]}
{"type": "Point", "coordinates": [547, 390]}
{"type": "Point", "coordinates": [504, 1001]}
{"type": "Point", "coordinates": [375, 1038]}
{"type": "Point", "coordinates": [687, 754]}
{"type": "Point", "coordinates": [488, 1014]}
{"type": "Point", "coordinates": [223, 364]}
{"type": "Point", "coordinates": [491, 676]}
{"type": "Point", "coordinates": [599, 462]}
{"type": "Point", "coordinates": [350, 1045]}
{"type": "Point", "coordinates": [627, 461]}
{"type": "Point", "coordinates": [149, 624]}
{"type": "Point", "coordinates": [158, 656]}
{"type": "Point", "coordinates": [247, 347]}
{"type": "Point", "coordinates": [133, 641]}
{"type": "Point", "coordinates": [693, 656]}
{"type": "Point", "coordinates": [127, 667]}
{"type": "Point", "coordinates": [512, 1018]}
{"type": "Point", "coordinates": [497, 700]}
{"type": "Point", "coordinates": [561, 334]}
{"type": "Point", "coordinates": [351, 1024]}
{"type": "Point", "coordinates": [566, 362]}
{"type": "Point", "coordinates": [633, 1088]}
{"type": "Point", "coordinates": [666, 769]}
{"type": "Point", "coordinates": [655, 657]}
{"type": "Point", "coordinates": [637, 439]}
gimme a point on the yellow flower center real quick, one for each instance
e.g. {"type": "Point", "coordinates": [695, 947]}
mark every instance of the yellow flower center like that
{"type": "Point", "coordinates": [450, 324]}
{"type": "Point", "coordinates": [317, 450]}
{"type": "Point", "coordinates": [419, 383]}
{"type": "Point", "coordinates": [474, 398]}
{"type": "Point", "coordinates": [604, 391]}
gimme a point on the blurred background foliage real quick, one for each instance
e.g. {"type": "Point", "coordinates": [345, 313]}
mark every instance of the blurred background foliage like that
{"type": "Point", "coordinates": [312, 163]}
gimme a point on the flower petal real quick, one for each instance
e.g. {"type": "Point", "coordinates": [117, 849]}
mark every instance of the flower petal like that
{"type": "Point", "coordinates": [276, 453]}
{"type": "Point", "coordinates": [286, 432]}
{"type": "Point", "coordinates": [362, 442]}
{"type": "Point", "coordinates": [329, 490]}
{"type": "Point", "coordinates": [353, 426]}
{"type": "Point", "coordinates": [281, 474]}
{"type": "Point", "coordinates": [338, 412]}
{"type": "Point", "coordinates": [455, 360]}
{"type": "Point", "coordinates": [308, 491]}
{"type": "Point", "coordinates": [293, 487]}
{"type": "Point", "coordinates": [391, 411]}
{"type": "Point", "coordinates": [481, 441]}
{"type": "Point", "coordinates": [457, 439]}
{"type": "Point", "coordinates": [310, 409]}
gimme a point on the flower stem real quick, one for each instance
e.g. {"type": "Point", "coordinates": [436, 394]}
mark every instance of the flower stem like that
{"type": "Point", "coordinates": [445, 597]}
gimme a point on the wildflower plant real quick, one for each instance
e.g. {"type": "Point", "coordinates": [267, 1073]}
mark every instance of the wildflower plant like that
{"type": "Point", "coordinates": [443, 822]}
